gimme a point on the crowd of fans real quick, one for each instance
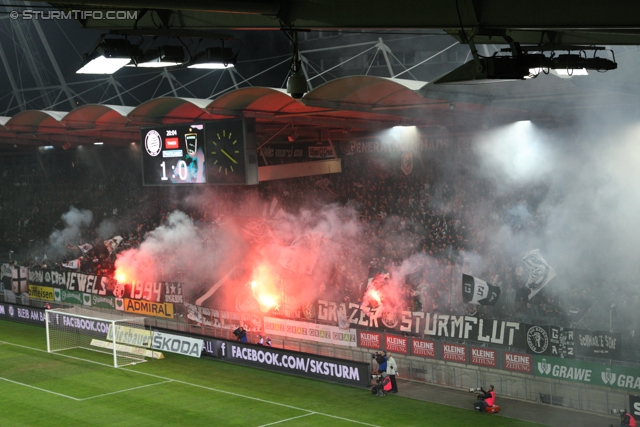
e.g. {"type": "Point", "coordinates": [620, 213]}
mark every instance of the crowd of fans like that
{"type": "Point", "coordinates": [432, 215]}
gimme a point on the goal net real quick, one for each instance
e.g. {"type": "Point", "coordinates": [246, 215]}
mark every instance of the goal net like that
{"type": "Point", "coordinates": [118, 334]}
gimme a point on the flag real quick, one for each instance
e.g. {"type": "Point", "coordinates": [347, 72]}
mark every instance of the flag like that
{"type": "Point", "coordinates": [113, 243]}
{"type": "Point", "coordinates": [74, 264]}
{"type": "Point", "coordinates": [70, 246]}
{"type": "Point", "coordinates": [19, 279]}
{"type": "Point", "coordinates": [85, 247]}
{"type": "Point", "coordinates": [477, 291]}
{"type": "Point", "coordinates": [540, 273]}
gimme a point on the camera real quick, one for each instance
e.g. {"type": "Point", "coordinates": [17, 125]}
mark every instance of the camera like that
{"type": "Point", "coordinates": [475, 390]}
{"type": "Point", "coordinates": [618, 411]}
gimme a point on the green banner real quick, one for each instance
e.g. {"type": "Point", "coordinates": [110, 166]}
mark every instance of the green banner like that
{"type": "Point", "coordinates": [587, 372]}
{"type": "Point", "coordinates": [71, 297]}
{"type": "Point", "coordinates": [103, 302]}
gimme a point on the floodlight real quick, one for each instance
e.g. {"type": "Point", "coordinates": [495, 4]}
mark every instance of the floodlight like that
{"type": "Point", "coordinates": [214, 58]}
{"type": "Point", "coordinates": [108, 57]}
{"type": "Point", "coordinates": [163, 56]}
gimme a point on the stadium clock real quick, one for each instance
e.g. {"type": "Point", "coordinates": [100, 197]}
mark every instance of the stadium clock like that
{"type": "Point", "coordinates": [231, 152]}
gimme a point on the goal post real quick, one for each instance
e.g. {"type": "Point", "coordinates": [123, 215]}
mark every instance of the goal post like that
{"type": "Point", "coordinates": [118, 334]}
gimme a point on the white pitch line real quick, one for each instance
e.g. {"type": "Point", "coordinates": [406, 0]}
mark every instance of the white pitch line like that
{"type": "Point", "coordinates": [123, 391]}
{"type": "Point", "coordinates": [288, 419]}
{"type": "Point", "coordinates": [206, 388]}
{"type": "Point", "coordinates": [39, 389]}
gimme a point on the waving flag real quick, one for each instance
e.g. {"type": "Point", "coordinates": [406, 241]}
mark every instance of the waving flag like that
{"type": "Point", "coordinates": [113, 243]}
{"type": "Point", "coordinates": [85, 247]}
{"type": "Point", "coordinates": [477, 291]}
{"type": "Point", "coordinates": [74, 264]}
{"type": "Point", "coordinates": [541, 273]}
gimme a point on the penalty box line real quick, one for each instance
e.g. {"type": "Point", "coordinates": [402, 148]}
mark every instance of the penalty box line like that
{"type": "Point", "coordinates": [166, 379]}
{"type": "Point", "coordinates": [77, 399]}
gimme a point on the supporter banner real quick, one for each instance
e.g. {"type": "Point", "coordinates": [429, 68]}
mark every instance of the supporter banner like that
{"type": "Point", "coordinates": [148, 308]}
{"type": "Point", "coordinates": [424, 348]}
{"type": "Point", "coordinates": [477, 291]}
{"type": "Point", "coordinates": [454, 353]}
{"type": "Point", "coordinates": [130, 336]}
{"type": "Point", "coordinates": [517, 362]}
{"type": "Point", "coordinates": [588, 373]}
{"type": "Point", "coordinates": [310, 331]}
{"type": "Point", "coordinates": [396, 344]}
{"type": "Point", "coordinates": [540, 273]}
{"type": "Point", "coordinates": [311, 366]}
{"type": "Point", "coordinates": [203, 316]}
{"type": "Point", "coordinates": [372, 340]}
{"type": "Point", "coordinates": [70, 280]}
{"type": "Point", "coordinates": [148, 291]}
{"type": "Point", "coordinates": [484, 357]}
{"type": "Point", "coordinates": [320, 152]}
{"type": "Point", "coordinates": [41, 292]}
{"type": "Point", "coordinates": [605, 345]}
{"type": "Point", "coordinates": [22, 314]}
{"type": "Point", "coordinates": [431, 324]}
{"type": "Point", "coordinates": [372, 146]}
{"type": "Point", "coordinates": [550, 341]}
{"type": "Point", "coordinates": [19, 279]}
{"type": "Point", "coordinates": [186, 346]}
{"type": "Point", "coordinates": [173, 293]}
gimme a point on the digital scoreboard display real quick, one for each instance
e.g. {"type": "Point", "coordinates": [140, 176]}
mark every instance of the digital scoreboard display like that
{"type": "Point", "coordinates": [221, 152]}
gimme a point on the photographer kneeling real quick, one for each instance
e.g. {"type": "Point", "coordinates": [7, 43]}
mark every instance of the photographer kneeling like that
{"type": "Point", "coordinates": [486, 399]}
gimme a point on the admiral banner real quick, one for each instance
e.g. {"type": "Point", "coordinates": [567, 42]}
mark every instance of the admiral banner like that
{"type": "Point", "coordinates": [311, 366]}
{"type": "Point", "coordinates": [41, 292]}
{"type": "Point", "coordinates": [430, 324]}
{"type": "Point", "coordinates": [310, 331]}
{"type": "Point", "coordinates": [70, 280]}
{"type": "Point", "coordinates": [147, 308]}
{"type": "Point", "coordinates": [588, 373]}
{"type": "Point", "coordinates": [605, 345]}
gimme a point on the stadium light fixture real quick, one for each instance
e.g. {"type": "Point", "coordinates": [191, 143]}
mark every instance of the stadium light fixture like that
{"type": "Point", "coordinates": [108, 56]}
{"type": "Point", "coordinates": [98, 143]}
{"type": "Point", "coordinates": [214, 58]}
{"type": "Point", "coordinates": [163, 56]}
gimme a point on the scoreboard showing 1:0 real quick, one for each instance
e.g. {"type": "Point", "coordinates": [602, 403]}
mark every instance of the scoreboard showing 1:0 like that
{"type": "Point", "coordinates": [173, 155]}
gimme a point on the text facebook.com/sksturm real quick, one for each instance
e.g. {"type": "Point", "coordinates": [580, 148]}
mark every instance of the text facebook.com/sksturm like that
{"type": "Point", "coordinates": [29, 14]}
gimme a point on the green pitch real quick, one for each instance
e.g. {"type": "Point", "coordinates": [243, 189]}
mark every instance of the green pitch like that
{"type": "Point", "coordinates": [41, 389]}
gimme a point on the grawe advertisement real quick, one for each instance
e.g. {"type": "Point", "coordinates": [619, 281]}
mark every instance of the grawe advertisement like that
{"type": "Point", "coordinates": [312, 366]}
{"type": "Point", "coordinates": [588, 373]}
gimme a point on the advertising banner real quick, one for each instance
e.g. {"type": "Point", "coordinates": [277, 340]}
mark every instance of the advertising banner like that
{"type": "Point", "coordinates": [186, 346]}
{"type": "Point", "coordinates": [147, 308]}
{"type": "Point", "coordinates": [424, 348]}
{"type": "Point", "coordinates": [17, 313]}
{"type": "Point", "coordinates": [588, 373]}
{"type": "Point", "coordinates": [484, 357]}
{"type": "Point", "coordinates": [103, 302]}
{"type": "Point", "coordinates": [130, 336]}
{"type": "Point", "coordinates": [69, 297]}
{"type": "Point", "coordinates": [396, 344]}
{"type": "Point", "coordinates": [372, 340]}
{"type": "Point", "coordinates": [311, 366]}
{"type": "Point", "coordinates": [454, 353]}
{"type": "Point", "coordinates": [41, 292]}
{"type": "Point", "coordinates": [517, 362]}
{"type": "Point", "coordinates": [634, 406]}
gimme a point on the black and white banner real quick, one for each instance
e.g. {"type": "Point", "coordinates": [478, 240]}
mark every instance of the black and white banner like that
{"type": "Point", "coordinates": [634, 406]}
{"type": "Point", "coordinates": [540, 273]}
{"type": "Point", "coordinates": [550, 341]}
{"type": "Point", "coordinates": [477, 291]}
{"type": "Point", "coordinates": [604, 345]}
{"type": "Point", "coordinates": [18, 313]}
{"type": "Point", "coordinates": [312, 366]}
{"type": "Point", "coordinates": [70, 280]}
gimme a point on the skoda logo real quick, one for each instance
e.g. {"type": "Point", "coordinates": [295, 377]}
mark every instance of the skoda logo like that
{"type": "Point", "coordinates": [537, 339]}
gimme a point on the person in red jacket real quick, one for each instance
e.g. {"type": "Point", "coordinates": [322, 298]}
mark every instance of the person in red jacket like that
{"type": "Point", "coordinates": [488, 398]}
{"type": "Point", "coordinates": [626, 420]}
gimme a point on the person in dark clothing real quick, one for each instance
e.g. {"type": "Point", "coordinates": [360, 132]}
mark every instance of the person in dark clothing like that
{"type": "Point", "coordinates": [487, 398]}
{"type": "Point", "coordinates": [381, 360]}
{"type": "Point", "coordinates": [241, 334]}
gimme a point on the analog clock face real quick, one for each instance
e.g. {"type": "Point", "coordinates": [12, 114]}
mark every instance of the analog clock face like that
{"type": "Point", "coordinates": [226, 157]}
